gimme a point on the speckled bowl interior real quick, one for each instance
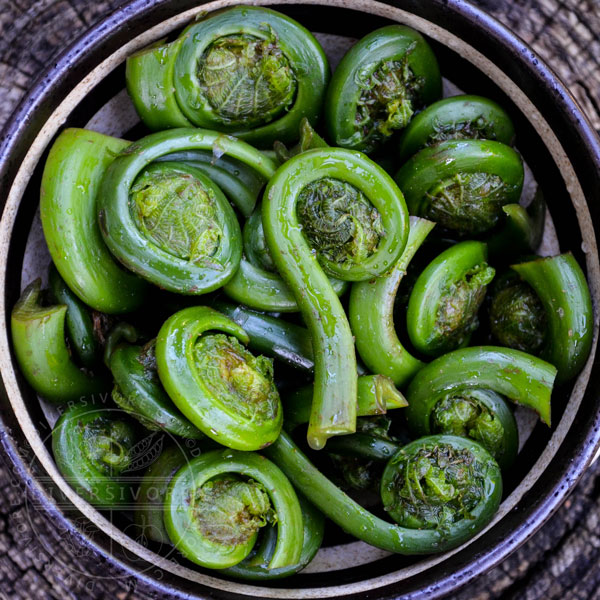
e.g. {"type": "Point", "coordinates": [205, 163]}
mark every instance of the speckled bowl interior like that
{"type": "Point", "coordinates": [86, 89]}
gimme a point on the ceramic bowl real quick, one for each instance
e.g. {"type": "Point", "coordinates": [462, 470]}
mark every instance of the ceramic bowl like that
{"type": "Point", "coordinates": [85, 88]}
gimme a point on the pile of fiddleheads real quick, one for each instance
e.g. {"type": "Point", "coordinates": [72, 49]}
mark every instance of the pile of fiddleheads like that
{"type": "Point", "coordinates": [257, 293]}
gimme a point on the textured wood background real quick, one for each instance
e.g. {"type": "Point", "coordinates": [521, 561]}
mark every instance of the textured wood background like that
{"type": "Point", "coordinates": [560, 561]}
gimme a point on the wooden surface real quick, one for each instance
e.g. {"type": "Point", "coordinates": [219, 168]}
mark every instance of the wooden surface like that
{"type": "Point", "coordinates": [561, 561]}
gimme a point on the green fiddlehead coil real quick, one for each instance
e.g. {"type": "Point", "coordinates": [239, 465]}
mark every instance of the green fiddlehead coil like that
{"type": "Point", "coordinates": [462, 184]}
{"type": "Point", "coordinates": [517, 318]}
{"type": "Point", "coordinates": [40, 345]}
{"type": "Point", "coordinates": [223, 389]}
{"type": "Point", "coordinates": [178, 214]}
{"type": "Point", "coordinates": [246, 70]}
{"type": "Point", "coordinates": [377, 87]}
{"type": "Point", "coordinates": [167, 221]}
{"type": "Point", "coordinates": [468, 202]}
{"type": "Point", "coordinates": [216, 504]}
{"type": "Point", "coordinates": [304, 268]}
{"type": "Point", "coordinates": [444, 302]}
{"type": "Point", "coordinates": [387, 100]}
{"type": "Point", "coordinates": [92, 448]}
{"type": "Point", "coordinates": [241, 381]}
{"type": "Point", "coordinates": [481, 415]}
{"type": "Point", "coordinates": [456, 118]}
{"type": "Point", "coordinates": [437, 482]}
{"type": "Point", "coordinates": [356, 520]}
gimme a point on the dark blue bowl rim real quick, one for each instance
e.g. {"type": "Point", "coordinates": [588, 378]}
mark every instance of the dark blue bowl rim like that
{"type": "Point", "coordinates": [581, 142]}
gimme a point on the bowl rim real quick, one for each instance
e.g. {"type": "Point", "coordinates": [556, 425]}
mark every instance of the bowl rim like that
{"type": "Point", "coordinates": [22, 126]}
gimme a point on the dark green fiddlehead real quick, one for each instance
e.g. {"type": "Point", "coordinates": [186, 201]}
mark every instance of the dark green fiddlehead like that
{"type": "Point", "coordinates": [481, 415]}
{"type": "Point", "coordinates": [462, 185]}
{"type": "Point", "coordinates": [354, 519]}
{"type": "Point", "coordinates": [436, 483]}
{"type": "Point", "coordinates": [168, 222]}
{"type": "Point", "coordinates": [249, 71]}
{"type": "Point", "coordinates": [517, 317]}
{"type": "Point", "coordinates": [92, 448]}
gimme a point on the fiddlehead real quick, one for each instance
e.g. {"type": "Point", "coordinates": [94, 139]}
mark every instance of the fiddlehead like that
{"type": "Point", "coordinates": [223, 389]}
{"type": "Point", "coordinates": [247, 81]}
{"type": "Point", "coordinates": [518, 376]}
{"type": "Point", "coordinates": [216, 504]}
{"type": "Point", "coordinates": [256, 565]}
{"type": "Point", "coordinates": [481, 415]}
{"type": "Point", "coordinates": [92, 448]}
{"type": "Point", "coordinates": [456, 118]}
{"type": "Point", "coordinates": [444, 302]}
{"type": "Point", "coordinates": [334, 403]}
{"type": "Point", "coordinates": [462, 185]}
{"type": "Point", "coordinates": [248, 71]}
{"type": "Point", "coordinates": [354, 519]}
{"type": "Point", "coordinates": [377, 87]}
{"type": "Point", "coordinates": [339, 221]}
{"type": "Point", "coordinates": [563, 291]}
{"type": "Point", "coordinates": [517, 317]}
{"type": "Point", "coordinates": [440, 483]}
{"type": "Point", "coordinates": [168, 222]}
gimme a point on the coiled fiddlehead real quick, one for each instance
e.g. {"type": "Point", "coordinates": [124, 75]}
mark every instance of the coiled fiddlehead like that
{"type": "Point", "coordinates": [248, 71]}
{"type": "Point", "coordinates": [223, 389]}
{"type": "Point", "coordinates": [517, 317]}
{"type": "Point", "coordinates": [456, 118]}
{"type": "Point", "coordinates": [442, 483]}
{"type": "Point", "coordinates": [462, 185]}
{"type": "Point", "coordinates": [216, 504]}
{"type": "Point", "coordinates": [444, 302]}
{"type": "Point", "coordinates": [377, 87]}
{"type": "Point", "coordinates": [562, 289]}
{"type": "Point", "coordinates": [479, 414]}
{"type": "Point", "coordinates": [518, 376]}
{"type": "Point", "coordinates": [354, 519]}
{"type": "Point", "coordinates": [92, 448]}
{"type": "Point", "coordinates": [168, 222]}
{"type": "Point", "coordinates": [334, 403]}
